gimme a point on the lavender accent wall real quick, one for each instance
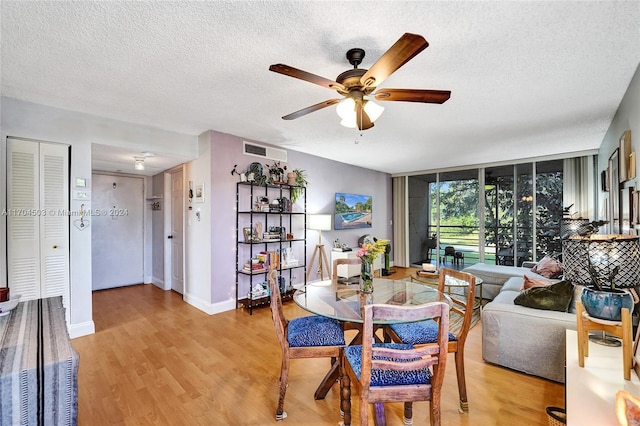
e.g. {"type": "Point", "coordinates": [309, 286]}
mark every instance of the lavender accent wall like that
{"type": "Point", "coordinates": [326, 177]}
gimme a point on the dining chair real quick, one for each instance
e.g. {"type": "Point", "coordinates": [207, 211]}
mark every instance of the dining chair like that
{"type": "Point", "coordinates": [393, 372]}
{"type": "Point", "coordinates": [306, 337]}
{"type": "Point", "coordinates": [425, 332]}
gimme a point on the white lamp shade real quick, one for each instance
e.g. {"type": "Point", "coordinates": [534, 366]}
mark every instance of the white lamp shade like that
{"type": "Point", "coordinates": [319, 222]}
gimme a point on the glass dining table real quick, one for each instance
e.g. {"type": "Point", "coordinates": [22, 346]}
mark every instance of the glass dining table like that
{"type": "Point", "coordinates": [345, 303]}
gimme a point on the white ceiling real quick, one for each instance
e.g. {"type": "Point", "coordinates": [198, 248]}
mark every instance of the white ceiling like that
{"type": "Point", "coordinates": [527, 78]}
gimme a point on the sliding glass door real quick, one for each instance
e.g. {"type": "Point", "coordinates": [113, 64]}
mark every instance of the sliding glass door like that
{"type": "Point", "coordinates": [504, 214]}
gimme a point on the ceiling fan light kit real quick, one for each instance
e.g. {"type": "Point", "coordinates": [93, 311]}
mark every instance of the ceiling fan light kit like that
{"type": "Point", "coordinates": [354, 84]}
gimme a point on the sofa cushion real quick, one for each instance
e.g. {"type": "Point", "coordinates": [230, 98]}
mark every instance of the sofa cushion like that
{"type": "Point", "coordinates": [495, 274]}
{"type": "Point", "coordinates": [554, 297]}
{"type": "Point", "coordinates": [513, 284]}
{"type": "Point", "coordinates": [530, 282]}
{"type": "Point", "coordinates": [548, 267]}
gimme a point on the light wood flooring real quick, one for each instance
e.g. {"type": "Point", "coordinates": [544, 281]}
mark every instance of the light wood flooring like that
{"type": "Point", "coordinates": [156, 360]}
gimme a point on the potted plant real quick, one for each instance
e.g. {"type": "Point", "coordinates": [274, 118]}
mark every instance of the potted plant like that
{"type": "Point", "coordinates": [602, 299]}
{"type": "Point", "coordinates": [276, 172]}
{"type": "Point", "coordinates": [299, 180]}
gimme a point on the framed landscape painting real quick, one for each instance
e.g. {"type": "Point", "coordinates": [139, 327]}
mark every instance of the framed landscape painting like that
{"type": "Point", "coordinates": [352, 211]}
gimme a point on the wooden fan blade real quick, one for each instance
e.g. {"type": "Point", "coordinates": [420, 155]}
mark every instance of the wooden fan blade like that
{"type": "Point", "coordinates": [306, 76]}
{"type": "Point", "coordinates": [408, 46]}
{"type": "Point", "coordinates": [362, 118]}
{"type": "Point", "coordinates": [311, 108]}
{"type": "Point", "coordinates": [413, 95]}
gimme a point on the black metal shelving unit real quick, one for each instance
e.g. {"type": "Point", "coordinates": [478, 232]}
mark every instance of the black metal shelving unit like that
{"type": "Point", "coordinates": [248, 216]}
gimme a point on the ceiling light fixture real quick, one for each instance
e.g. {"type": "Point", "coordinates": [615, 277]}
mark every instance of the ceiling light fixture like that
{"type": "Point", "coordinates": [139, 164]}
{"type": "Point", "coordinates": [346, 110]}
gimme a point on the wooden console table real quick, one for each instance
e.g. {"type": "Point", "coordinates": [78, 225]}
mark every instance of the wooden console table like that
{"type": "Point", "coordinates": [590, 392]}
{"type": "Point", "coordinates": [38, 366]}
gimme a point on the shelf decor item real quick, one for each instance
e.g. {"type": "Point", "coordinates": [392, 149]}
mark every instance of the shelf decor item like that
{"type": "Point", "coordinates": [368, 252]}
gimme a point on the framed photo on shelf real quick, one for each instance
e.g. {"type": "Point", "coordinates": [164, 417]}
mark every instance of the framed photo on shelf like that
{"type": "Point", "coordinates": [249, 236]}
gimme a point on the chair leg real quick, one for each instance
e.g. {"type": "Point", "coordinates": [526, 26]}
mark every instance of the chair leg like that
{"type": "Point", "coordinates": [345, 393]}
{"type": "Point", "coordinates": [284, 382]}
{"type": "Point", "coordinates": [462, 384]}
{"type": "Point", "coordinates": [408, 413]}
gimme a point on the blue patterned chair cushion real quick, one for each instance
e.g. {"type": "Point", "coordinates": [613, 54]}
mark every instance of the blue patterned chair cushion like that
{"type": "Point", "coordinates": [418, 333]}
{"type": "Point", "coordinates": [315, 331]}
{"type": "Point", "coordinates": [387, 377]}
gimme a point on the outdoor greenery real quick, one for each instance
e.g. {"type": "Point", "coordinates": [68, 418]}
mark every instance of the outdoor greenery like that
{"type": "Point", "coordinates": [460, 223]}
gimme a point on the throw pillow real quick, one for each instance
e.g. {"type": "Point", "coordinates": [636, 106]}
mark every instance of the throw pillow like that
{"type": "Point", "coordinates": [548, 267]}
{"type": "Point", "coordinates": [533, 282]}
{"type": "Point", "coordinates": [554, 297]}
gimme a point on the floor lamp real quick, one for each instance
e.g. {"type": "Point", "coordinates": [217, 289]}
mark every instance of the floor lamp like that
{"type": "Point", "coordinates": [319, 222]}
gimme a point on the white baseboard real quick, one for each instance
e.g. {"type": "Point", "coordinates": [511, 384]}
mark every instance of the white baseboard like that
{"type": "Point", "coordinates": [210, 308]}
{"type": "Point", "coordinates": [158, 282]}
{"type": "Point", "coordinates": [82, 329]}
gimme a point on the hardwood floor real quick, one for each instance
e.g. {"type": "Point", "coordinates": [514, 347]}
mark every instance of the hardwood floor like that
{"type": "Point", "coordinates": [155, 360]}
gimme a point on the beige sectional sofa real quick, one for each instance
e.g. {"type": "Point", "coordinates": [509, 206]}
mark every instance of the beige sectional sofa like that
{"type": "Point", "coordinates": [524, 339]}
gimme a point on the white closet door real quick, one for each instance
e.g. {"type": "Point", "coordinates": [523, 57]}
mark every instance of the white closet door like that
{"type": "Point", "coordinates": [54, 226]}
{"type": "Point", "coordinates": [38, 223]}
{"type": "Point", "coordinates": [23, 229]}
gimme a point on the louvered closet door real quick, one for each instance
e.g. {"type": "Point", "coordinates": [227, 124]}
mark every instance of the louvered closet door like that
{"type": "Point", "coordinates": [37, 222]}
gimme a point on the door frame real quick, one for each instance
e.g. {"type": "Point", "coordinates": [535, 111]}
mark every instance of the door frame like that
{"type": "Point", "coordinates": [167, 227]}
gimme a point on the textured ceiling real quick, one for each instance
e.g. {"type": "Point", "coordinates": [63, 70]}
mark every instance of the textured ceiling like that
{"type": "Point", "coordinates": [527, 78]}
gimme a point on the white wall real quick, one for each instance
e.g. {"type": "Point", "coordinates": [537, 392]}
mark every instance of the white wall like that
{"type": "Point", "coordinates": [627, 117]}
{"type": "Point", "coordinates": [32, 121]}
{"type": "Point", "coordinates": [198, 241]}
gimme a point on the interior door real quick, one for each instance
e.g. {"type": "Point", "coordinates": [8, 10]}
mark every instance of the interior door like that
{"type": "Point", "coordinates": [176, 235]}
{"type": "Point", "coordinates": [117, 239]}
{"type": "Point", "coordinates": [38, 219]}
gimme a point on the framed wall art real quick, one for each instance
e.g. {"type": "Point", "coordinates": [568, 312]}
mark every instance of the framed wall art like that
{"type": "Point", "coordinates": [199, 193]}
{"type": "Point", "coordinates": [625, 153]}
{"type": "Point", "coordinates": [626, 207]}
{"type": "Point", "coordinates": [636, 208]}
{"type": "Point", "coordinates": [352, 211]}
{"type": "Point", "coordinates": [614, 190]}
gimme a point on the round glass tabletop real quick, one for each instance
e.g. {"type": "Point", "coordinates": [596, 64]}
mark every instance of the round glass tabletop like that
{"type": "Point", "coordinates": [345, 302]}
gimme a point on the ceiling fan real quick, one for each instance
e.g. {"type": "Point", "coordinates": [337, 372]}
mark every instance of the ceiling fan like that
{"type": "Point", "coordinates": [356, 83]}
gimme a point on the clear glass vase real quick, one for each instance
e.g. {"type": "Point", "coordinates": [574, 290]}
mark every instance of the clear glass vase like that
{"type": "Point", "coordinates": [366, 276]}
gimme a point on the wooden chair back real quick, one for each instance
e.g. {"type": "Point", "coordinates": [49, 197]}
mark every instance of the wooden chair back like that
{"type": "Point", "coordinates": [338, 262]}
{"type": "Point", "coordinates": [461, 306]}
{"type": "Point", "coordinates": [432, 356]}
{"type": "Point", "coordinates": [279, 320]}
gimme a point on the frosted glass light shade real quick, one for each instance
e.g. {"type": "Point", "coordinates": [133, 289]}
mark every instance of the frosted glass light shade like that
{"type": "Point", "coordinates": [373, 110]}
{"type": "Point", "coordinates": [346, 110]}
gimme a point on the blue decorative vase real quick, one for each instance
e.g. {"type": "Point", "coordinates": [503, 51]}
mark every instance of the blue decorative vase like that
{"type": "Point", "coordinates": [606, 304]}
